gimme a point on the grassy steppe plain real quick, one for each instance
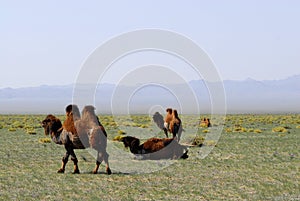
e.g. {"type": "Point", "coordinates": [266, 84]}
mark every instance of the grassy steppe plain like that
{"type": "Point", "coordinates": [256, 158]}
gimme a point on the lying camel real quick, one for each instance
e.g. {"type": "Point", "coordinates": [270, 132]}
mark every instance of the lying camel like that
{"type": "Point", "coordinates": [155, 148]}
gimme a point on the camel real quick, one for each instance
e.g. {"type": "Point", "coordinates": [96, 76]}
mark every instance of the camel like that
{"type": "Point", "coordinates": [78, 133]}
{"type": "Point", "coordinates": [155, 148]}
{"type": "Point", "coordinates": [171, 123]}
{"type": "Point", "coordinates": [205, 123]}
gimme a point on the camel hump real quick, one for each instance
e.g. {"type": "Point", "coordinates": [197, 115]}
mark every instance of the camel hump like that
{"type": "Point", "coordinates": [97, 138]}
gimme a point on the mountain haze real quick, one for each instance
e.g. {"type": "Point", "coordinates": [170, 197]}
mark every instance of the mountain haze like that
{"type": "Point", "coordinates": [247, 96]}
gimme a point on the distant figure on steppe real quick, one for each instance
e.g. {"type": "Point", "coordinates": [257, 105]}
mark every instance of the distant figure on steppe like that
{"type": "Point", "coordinates": [205, 122]}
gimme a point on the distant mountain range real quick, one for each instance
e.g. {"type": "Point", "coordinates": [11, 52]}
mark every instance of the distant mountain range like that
{"type": "Point", "coordinates": [247, 96]}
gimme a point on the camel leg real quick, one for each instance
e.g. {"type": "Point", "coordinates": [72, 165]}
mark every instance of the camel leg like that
{"type": "Point", "coordinates": [76, 169]}
{"type": "Point", "coordinates": [175, 137]}
{"type": "Point", "coordinates": [98, 162]}
{"type": "Point", "coordinates": [64, 163]}
{"type": "Point", "coordinates": [108, 171]}
{"type": "Point", "coordinates": [179, 135]}
{"type": "Point", "coordinates": [166, 132]}
{"type": "Point", "coordinates": [100, 158]}
{"type": "Point", "coordinates": [97, 167]}
{"type": "Point", "coordinates": [74, 159]}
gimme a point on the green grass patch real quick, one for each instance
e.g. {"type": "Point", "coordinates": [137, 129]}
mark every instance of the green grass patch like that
{"type": "Point", "coordinates": [243, 165]}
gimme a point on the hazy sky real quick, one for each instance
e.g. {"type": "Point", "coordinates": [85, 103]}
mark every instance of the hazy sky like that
{"type": "Point", "coordinates": [46, 42]}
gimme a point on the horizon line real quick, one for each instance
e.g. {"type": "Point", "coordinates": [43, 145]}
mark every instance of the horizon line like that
{"type": "Point", "coordinates": [111, 83]}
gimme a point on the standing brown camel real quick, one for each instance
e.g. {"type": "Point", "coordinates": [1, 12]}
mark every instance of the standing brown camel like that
{"type": "Point", "coordinates": [171, 123]}
{"type": "Point", "coordinates": [78, 133]}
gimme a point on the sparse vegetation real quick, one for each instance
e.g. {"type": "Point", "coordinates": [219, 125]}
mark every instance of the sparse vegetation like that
{"type": "Point", "coordinates": [228, 130]}
{"type": "Point", "coordinates": [257, 131]}
{"type": "Point", "coordinates": [120, 132]}
{"type": "Point", "coordinates": [12, 129]}
{"type": "Point", "coordinates": [45, 140]}
{"type": "Point", "coordinates": [118, 137]}
{"type": "Point", "coordinates": [198, 141]}
{"type": "Point", "coordinates": [279, 129]}
{"type": "Point", "coordinates": [210, 143]}
{"type": "Point", "coordinates": [249, 162]}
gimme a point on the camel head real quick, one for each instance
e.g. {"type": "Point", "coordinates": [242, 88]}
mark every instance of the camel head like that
{"type": "Point", "coordinates": [169, 110]}
{"type": "Point", "coordinates": [52, 125]}
{"type": "Point", "coordinates": [131, 142]}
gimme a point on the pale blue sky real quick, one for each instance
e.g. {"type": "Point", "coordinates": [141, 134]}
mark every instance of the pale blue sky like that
{"type": "Point", "coordinates": [46, 42]}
